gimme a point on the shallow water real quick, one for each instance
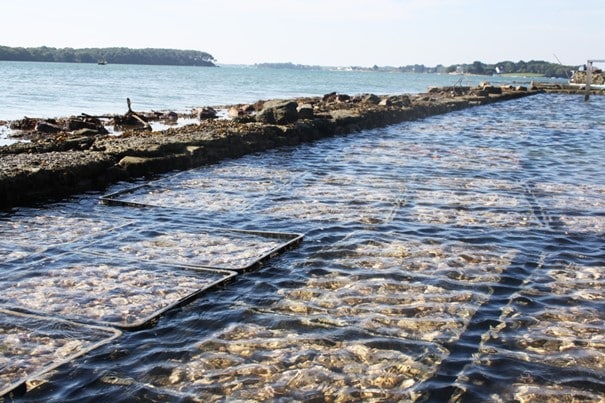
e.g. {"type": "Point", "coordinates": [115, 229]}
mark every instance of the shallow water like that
{"type": "Point", "coordinates": [461, 255]}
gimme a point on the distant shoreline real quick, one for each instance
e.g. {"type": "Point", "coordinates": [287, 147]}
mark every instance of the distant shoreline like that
{"type": "Point", "coordinates": [147, 56]}
{"type": "Point", "coordinates": [534, 68]}
{"type": "Point", "coordinates": [177, 57]}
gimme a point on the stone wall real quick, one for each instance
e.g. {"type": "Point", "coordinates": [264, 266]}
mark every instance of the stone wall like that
{"type": "Point", "coordinates": [60, 165]}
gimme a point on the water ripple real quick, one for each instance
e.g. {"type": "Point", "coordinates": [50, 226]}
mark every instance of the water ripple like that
{"type": "Point", "coordinates": [462, 254]}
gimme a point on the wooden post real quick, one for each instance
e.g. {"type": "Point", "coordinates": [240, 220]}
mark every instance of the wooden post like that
{"type": "Point", "coordinates": [588, 80]}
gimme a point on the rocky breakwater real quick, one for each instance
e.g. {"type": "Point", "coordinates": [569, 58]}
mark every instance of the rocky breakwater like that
{"type": "Point", "coordinates": [62, 163]}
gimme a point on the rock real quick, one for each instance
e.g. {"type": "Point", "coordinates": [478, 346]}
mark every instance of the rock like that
{"type": "Point", "coordinates": [44, 126]}
{"type": "Point", "coordinates": [77, 124]}
{"type": "Point", "coordinates": [266, 116]}
{"type": "Point", "coordinates": [305, 111]}
{"type": "Point", "coordinates": [205, 113]}
{"type": "Point", "coordinates": [24, 124]}
{"type": "Point", "coordinates": [278, 112]}
{"type": "Point", "coordinates": [334, 97]}
{"type": "Point", "coordinates": [170, 116]}
{"type": "Point", "coordinates": [345, 116]}
{"type": "Point", "coordinates": [131, 160]}
{"type": "Point", "coordinates": [399, 101]}
{"type": "Point", "coordinates": [331, 97]}
{"type": "Point", "coordinates": [490, 89]}
{"type": "Point", "coordinates": [85, 132]}
{"type": "Point", "coordinates": [238, 111]}
{"type": "Point", "coordinates": [370, 99]}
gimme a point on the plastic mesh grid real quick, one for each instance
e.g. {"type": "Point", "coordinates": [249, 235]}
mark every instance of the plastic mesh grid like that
{"type": "Point", "coordinates": [31, 345]}
{"type": "Point", "coordinates": [195, 246]}
{"type": "Point", "coordinates": [104, 290]}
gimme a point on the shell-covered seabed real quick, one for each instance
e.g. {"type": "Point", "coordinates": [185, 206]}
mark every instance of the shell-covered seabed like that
{"type": "Point", "coordinates": [460, 256]}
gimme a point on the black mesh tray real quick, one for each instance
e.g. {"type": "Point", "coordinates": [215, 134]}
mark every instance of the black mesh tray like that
{"type": "Point", "coordinates": [121, 198]}
{"type": "Point", "coordinates": [31, 345]}
{"type": "Point", "coordinates": [105, 290]}
{"type": "Point", "coordinates": [197, 246]}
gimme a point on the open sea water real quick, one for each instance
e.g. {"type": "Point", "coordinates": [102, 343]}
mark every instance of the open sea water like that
{"type": "Point", "coordinates": [65, 89]}
{"type": "Point", "coordinates": [456, 257]}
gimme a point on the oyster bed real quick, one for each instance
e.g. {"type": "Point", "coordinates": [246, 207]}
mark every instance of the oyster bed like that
{"type": "Point", "coordinates": [422, 294]}
{"type": "Point", "coordinates": [103, 290]}
{"type": "Point", "coordinates": [195, 246]}
{"type": "Point", "coordinates": [460, 258]}
{"type": "Point", "coordinates": [436, 155]}
{"type": "Point", "coordinates": [222, 189]}
{"type": "Point", "coordinates": [10, 253]}
{"type": "Point", "coordinates": [477, 202]}
{"type": "Point", "coordinates": [25, 238]}
{"type": "Point", "coordinates": [54, 230]}
{"type": "Point", "coordinates": [31, 345]}
{"type": "Point", "coordinates": [554, 326]}
{"type": "Point", "coordinates": [568, 328]}
{"type": "Point", "coordinates": [256, 362]}
{"type": "Point", "coordinates": [580, 208]}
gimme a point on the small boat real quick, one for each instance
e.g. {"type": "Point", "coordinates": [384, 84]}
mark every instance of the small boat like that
{"type": "Point", "coordinates": [102, 62]}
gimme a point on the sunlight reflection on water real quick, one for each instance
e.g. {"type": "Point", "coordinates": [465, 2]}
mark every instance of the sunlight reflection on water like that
{"type": "Point", "coordinates": [461, 254]}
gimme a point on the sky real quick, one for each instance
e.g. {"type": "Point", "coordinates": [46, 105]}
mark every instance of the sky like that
{"type": "Point", "coordinates": [320, 32]}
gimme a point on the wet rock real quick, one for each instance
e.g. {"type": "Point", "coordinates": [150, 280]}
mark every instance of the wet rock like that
{"type": "Point", "coordinates": [343, 98]}
{"type": "Point", "coordinates": [330, 97]}
{"type": "Point", "coordinates": [335, 97]}
{"type": "Point", "coordinates": [278, 112]}
{"type": "Point", "coordinates": [85, 132]}
{"type": "Point", "coordinates": [399, 101]}
{"type": "Point", "coordinates": [370, 99]}
{"type": "Point", "coordinates": [241, 113]}
{"type": "Point", "coordinates": [131, 121]}
{"type": "Point", "coordinates": [75, 124]}
{"type": "Point", "coordinates": [169, 117]}
{"type": "Point", "coordinates": [43, 126]}
{"type": "Point", "coordinates": [305, 111]}
{"type": "Point", "coordinates": [344, 117]}
{"type": "Point", "coordinates": [205, 113]}
{"type": "Point", "coordinates": [25, 124]}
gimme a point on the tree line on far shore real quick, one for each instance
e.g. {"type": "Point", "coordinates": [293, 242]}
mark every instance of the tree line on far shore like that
{"type": "Point", "coordinates": [176, 57]}
{"type": "Point", "coordinates": [533, 67]}
{"type": "Point", "coordinates": [149, 56]}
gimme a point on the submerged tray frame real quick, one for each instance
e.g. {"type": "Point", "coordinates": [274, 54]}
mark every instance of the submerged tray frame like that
{"type": "Point", "coordinates": [19, 386]}
{"type": "Point", "coordinates": [112, 199]}
{"type": "Point", "coordinates": [287, 240]}
{"type": "Point", "coordinates": [146, 321]}
{"type": "Point", "coordinates": [290, 240]}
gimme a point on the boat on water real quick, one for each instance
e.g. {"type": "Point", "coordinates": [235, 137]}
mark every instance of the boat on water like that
{"type": "Point", "coordinates": [102, 62]}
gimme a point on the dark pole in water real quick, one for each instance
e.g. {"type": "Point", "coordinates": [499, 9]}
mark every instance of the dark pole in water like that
{"type": "Point", "coordinates": [588, 80]}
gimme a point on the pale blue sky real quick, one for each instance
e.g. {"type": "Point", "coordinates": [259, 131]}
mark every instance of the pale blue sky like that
{"type": "Point", "coordinates": [325, 32]}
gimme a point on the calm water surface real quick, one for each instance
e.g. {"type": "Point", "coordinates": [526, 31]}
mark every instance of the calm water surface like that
{"type": "Point", "coordinates": [458, 256]}
{"type": "Point", "coordinates": [65, 89]}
